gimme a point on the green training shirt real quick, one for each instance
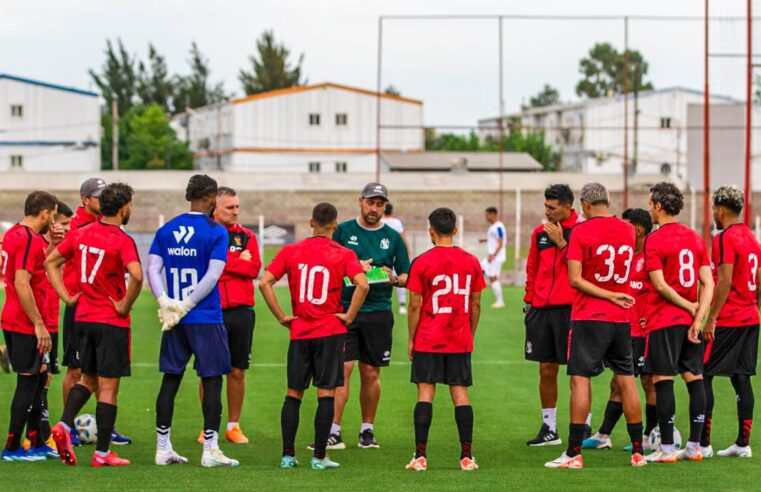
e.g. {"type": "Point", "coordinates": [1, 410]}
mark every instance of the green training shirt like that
{"type": "Point", "coordinates": [386, 248]}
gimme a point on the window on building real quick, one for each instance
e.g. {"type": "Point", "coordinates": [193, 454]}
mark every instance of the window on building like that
{"type": "Point", "coordinates": [314, 119]}
{"type": "Point", "coordinates": [341, 167]}
{"type": "Point", "coordinates": [17, 162]}
{"type": "Point", "coordinates": [342, 119]}
{"type": "Point", "coordinates": [665, 122]}
{"type": "Point", "coordinates": [314, 167]}
{"type": "Point", "coordinates": [17, 111]}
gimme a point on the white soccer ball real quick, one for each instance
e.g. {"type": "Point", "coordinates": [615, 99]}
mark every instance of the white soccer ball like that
{"type": "Point", "coordinates": [87, 429]}
{"type": "Point", "coordinates": [655, 438]}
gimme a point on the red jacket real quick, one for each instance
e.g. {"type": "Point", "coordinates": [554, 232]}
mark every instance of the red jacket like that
{"type": "Point", "coordinates": [236, 285]}
{"type": "Point", "coordinates": [547, 270]}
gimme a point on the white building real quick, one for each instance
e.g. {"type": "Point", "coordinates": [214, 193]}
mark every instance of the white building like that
{"type": "Point", "coordinates": [47, 128]}
{"type": "Point", "coordinates": [590, 133]}
{"type": "Point", "coordinates": [321, 128]}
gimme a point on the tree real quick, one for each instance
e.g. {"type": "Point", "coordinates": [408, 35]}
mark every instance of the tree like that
{"type": "Point", "coordinates": [117, 80]}
{"type": "Point", "coordinates": [154, 84]}
{"type": "Point", "coordinates": [151, 143]}
{"type": "Point", "coordinates": [271, 68]}
{"type": "Point", "coordinates": [195, 90]}
{"type": "Point", "coordinates": [392, 90]}
{"type": "Point", "coordinates": [546, 97]}
{"type": "Point", "coordinates": [603, 72]}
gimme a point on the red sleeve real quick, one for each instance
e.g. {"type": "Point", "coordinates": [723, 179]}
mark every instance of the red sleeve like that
{"type": "Point", "coordinates": [414, 280]}
{"type": "Point", "coordinates": [26, 252]}
{"type": "Point", "coordinates": [652, 260]}
{"type": "Point", "coordinates": [352, 267]}
{"type": "Point", "coordinates": [66, 248]}
{"type": "Point", "coordinates": [242, 268]}
{"type": "Point", "coordinates": [128, 251]}
{"type": "Point", "coordinates": [726, 249]}
{"type": "Point", "coordinates": [575, 248]}
{"type": "Point", "coordinates": [532, 266]}
{"type": "Point", "coordinates": [277, 267]}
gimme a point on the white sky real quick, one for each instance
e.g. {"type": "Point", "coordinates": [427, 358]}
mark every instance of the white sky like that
{"type": "Point", "coordinates": [451, 65]}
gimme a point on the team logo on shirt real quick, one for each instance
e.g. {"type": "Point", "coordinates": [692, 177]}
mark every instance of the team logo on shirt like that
{"type": "Point", "coordinates": [353, 241]}
{"type": "Point", "coordinates": [385, 243]}
{"type": "Point", "coordinates": [184, 234]}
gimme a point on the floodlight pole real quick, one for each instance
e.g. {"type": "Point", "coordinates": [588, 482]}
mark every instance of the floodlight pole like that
{"type": "Point", "coordinates": [626, 113]}
{"type": "Point", "coordinates": [378, 104]}
{"type": "Point", "coordinates": [706, 138]}
{"type": "Point", "coordinates": [748, 119]}
{"type": "Point", "coordinates": [501, 129]}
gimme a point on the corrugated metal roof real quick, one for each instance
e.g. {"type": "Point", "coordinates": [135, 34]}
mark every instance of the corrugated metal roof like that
{"type": "Point", "coordinates": [48, 85]}
{"type": "Point", "coordinates": [449, 161]}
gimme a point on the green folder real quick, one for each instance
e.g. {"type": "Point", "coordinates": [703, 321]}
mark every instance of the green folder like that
{"type": "Point", "coordinates": [374, 276]}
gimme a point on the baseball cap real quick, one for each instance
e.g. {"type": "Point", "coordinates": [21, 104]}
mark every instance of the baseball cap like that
{"type": "Point", "coordinates": [92, 187]}
{"type": "Point", "coordinates": [372, 190]}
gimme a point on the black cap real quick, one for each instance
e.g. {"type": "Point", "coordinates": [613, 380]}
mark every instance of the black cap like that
{"type": "Point", "coordinates": [92, 187]}
{"type": "Point", "coordinates": [372, 190]}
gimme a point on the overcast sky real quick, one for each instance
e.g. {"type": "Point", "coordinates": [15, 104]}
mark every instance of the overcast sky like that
{"type": "Point", "coordinates": [451, 65]}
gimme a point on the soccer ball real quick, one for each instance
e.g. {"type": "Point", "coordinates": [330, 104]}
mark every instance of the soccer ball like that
{"type": "Point", "coordinates": [86, 428]}
{"type": "Point", "coordinates": [655, 438]}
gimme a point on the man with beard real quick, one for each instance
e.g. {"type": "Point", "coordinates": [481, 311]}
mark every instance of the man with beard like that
{"type": "Point", "coordinates": [104, 252]}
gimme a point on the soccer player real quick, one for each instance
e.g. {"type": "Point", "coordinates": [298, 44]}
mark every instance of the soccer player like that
{"type": "Point", "coordinates": [368, 340]}
{"type": "Point", "coordinates": [496, 241]}
{"type": "Point", "coordinates": [548, 302]}
{"type": "Point", "coordinates": [641, 289]}
{"type": "Point", "coordinates": [677, 263]}
{"type": "Point", "coordinates": [731, 331]}
{"type": "Point", "coordinates": [192, 251]}
{"type": "Point", "coordinates": [600, 254]}
{"type": "Point", "coordinates": [316, 268]}
{"type": "Point", "coordinates": [396, 223]}
{"type": "Point", "coordinates": [236, 289]}
{"type": "Point", "coordinates": [445, 286]}
{"type": "Point", "coordinates": [23, 322]}
{"type": "Point", "coordinates": [104, 252]}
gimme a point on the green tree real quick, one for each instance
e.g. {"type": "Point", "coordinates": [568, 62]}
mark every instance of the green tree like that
{"type": "Point", "coordinates": [154, 83]}
{"type": "Point", "coordinates": [546, 97]}
{"type": "Point", "coordinates": [603, 72]}
{"type": "Point", "coordinates": [392, 90]}
{"type": "Point", "coordinates": [270, 67]}
{"type": "Point", "coordinates": [150, 143]}
{"type": "Point", "coordinates": [117, 79]}
{"type": "Point", "coordinates": [195, 89]}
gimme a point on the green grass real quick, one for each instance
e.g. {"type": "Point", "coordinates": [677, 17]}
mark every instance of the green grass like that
{"type": "Point", "coordinates": [504, 398]}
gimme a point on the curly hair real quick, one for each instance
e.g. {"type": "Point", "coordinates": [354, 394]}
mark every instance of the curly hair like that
{"type": "Point", "coordinates": [113, 197]}
{"type": "Point", "coordinates": [731, 197]}
{"type": "Point", "coordinates": [669, 196]}
{"type": "Point", "coordinates": [199, 187]}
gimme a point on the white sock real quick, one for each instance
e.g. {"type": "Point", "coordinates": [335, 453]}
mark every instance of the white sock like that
{"type": "Point", "coordinates": [550, 418]}
{"type": "Point", "coordinates": [230, 425]}
{"type": "Point", "coordinates": [496, 287]}
{"type": "Point", "coordinates": [210, 440]}
{"type": "Point", "coordinates": [101, 453]}
{"type": "Point", "coordinates": [667, 448]}
{"type": "Point", "coordinates": [693, 445]}
{"type": "Point", "coordinates": [365, 426]}
{"type": "Point", "coordinates": [335, 429]}
{"type": "Point", "coordinates": [163, 441]}
{"type": "Point", "coordinates": [589, 419]}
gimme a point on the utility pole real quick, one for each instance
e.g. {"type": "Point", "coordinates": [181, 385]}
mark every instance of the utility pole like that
{"type": "Point", "coordinates": [635, 153]}
{"type": "Point", "coordinates": [114, 135]}
{"type": "Point", "coordinates": [626, 112]}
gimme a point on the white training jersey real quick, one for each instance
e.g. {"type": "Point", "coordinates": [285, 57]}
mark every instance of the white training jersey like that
{"type": "Point", "coordinates": [394, 223]}
{"type": "Point", "coordinates": [495, 232]}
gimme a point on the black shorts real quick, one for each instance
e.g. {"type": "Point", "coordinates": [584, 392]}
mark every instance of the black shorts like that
{"type": "Point", "coordinates": [638, 354]}
{"type": "Point", "coordinates": [104, 350]}
{"type": "Point", "coordinates": [438, 368]}
{"type": "Point", "coordinates": [547, 334]}
{"type": "Point", "coordinates": [53, 355]}
{"type": "Point", "coordinates": [239, 322]}
{"type": "Point", "coordinates": [70, 338]}
{"type": "Point", "coordinates": [733, 351]}
{"type": "Point", "coordinates": [594, 345]}
{"type": "Point", "coordinates": [668, 352]}
{"type": "Point", "coordinates": [369, 338]}
{"type": "Point", "coordinates": [23, 353]}
{"type": "Point", "coordinates": [316, 360]}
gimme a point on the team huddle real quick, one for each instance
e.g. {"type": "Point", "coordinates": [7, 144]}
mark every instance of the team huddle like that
{"type": "Point", "coordinates": [601, 292]}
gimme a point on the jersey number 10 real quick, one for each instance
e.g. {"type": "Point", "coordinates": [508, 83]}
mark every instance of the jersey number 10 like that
{"type": "Point", "coordinates": [307, 280]}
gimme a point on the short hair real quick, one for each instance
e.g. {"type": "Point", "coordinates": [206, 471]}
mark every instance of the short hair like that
{"type": "Point", "coordinates": [640, 217]}
{"type": "Point", "coordinates": [491, 210]}
{"type": "Point", "coordinates": [113, 197]}
{"type": "Point", "coordinates": [389, 209]}
{"type": "Point", "coordinates": [560, 192]}
{"type": "Point", "coordinates": [324, 214]}
{"type": "Point", "coordinates": [37, 201]}
{"type": "Point", "coordinates": [225, 190]}
{"type": "Point", "coordinates": [731, 197]}
{"type": "Point", "coordinates": [443, 220]}
{"type": "Point", "coordinates": [64, 209]}
{"type": "Point", "coordinates": [669, 196]}
{"type": "Point", "coordinates": [199, 187]}
{"type": "Point", "coordinates": [594, 194]}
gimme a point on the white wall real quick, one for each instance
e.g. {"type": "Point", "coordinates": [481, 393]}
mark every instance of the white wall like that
{"type": "Point", "coordinates": [299, 162]}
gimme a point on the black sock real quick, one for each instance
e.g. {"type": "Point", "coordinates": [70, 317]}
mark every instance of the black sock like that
{"type": "Point", "coordinates": [705, 434]}
{"type": "Point", "coordinates": [77, 399]}
{"type": "Point", "coordinates": [34, 418]}
{"type": "Point", "coordinates": [463, 415]}
{"type": "Point", "coordinates": [323, 419]}
{"type": "Point", "coordinates": [289, 424]}
{"type": "Point", "coordinates": [651, 418]}
{"type": "Point", "coordinates": [745, 403]}
{"type": "Point", "coordinates": [105, 418]}
{"type": "Point", "coordinates": [613, 412]}
{"type": "Point", "coordinates": [635, 434]}
{"type": "Point", "coordinates": [422, 417]}
{"type": "Point", "coordinates": [45, 416]}
{"type": "Point", "coordinates": [165, 400]}
{"type": "Point", "coordinates": [665, 406]}
{"type": "Point", "coordinates": [697, 409]}
{"type": "Point", "coordinates": [22, 400]}
{"type": "Point", "coordinates": [575, 439]}
{"type": "Point", "coordinates": [212, 403]}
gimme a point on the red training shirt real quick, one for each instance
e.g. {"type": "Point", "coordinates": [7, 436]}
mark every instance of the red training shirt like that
{"type": "Point", "coordinates": [737, 245]}
{"type": "Point", "coordinates": [445, 278]}
{"type": "Point", "coordinates": [236, 285]}
{"type": "Point", "coordinates": [316, 268]}
{"type": "Point", "coordinates": [102, 252]}
{"type": "Point", "coordinates": [52, 303]}
{"type": "Point", "coordinates": [679, 252]}
{"type": "Point", "coordinates": [23, 249]}
{"type": "Point", "coordinates": [71, 275]}
{"type": "Point", "coordinates": [605, 248]}
{"type": "Point", "coordinates": [642, 290]}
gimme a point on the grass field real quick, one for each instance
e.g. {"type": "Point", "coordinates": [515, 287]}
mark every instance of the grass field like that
{"type": "Point", "coordinates": [504, 398]}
